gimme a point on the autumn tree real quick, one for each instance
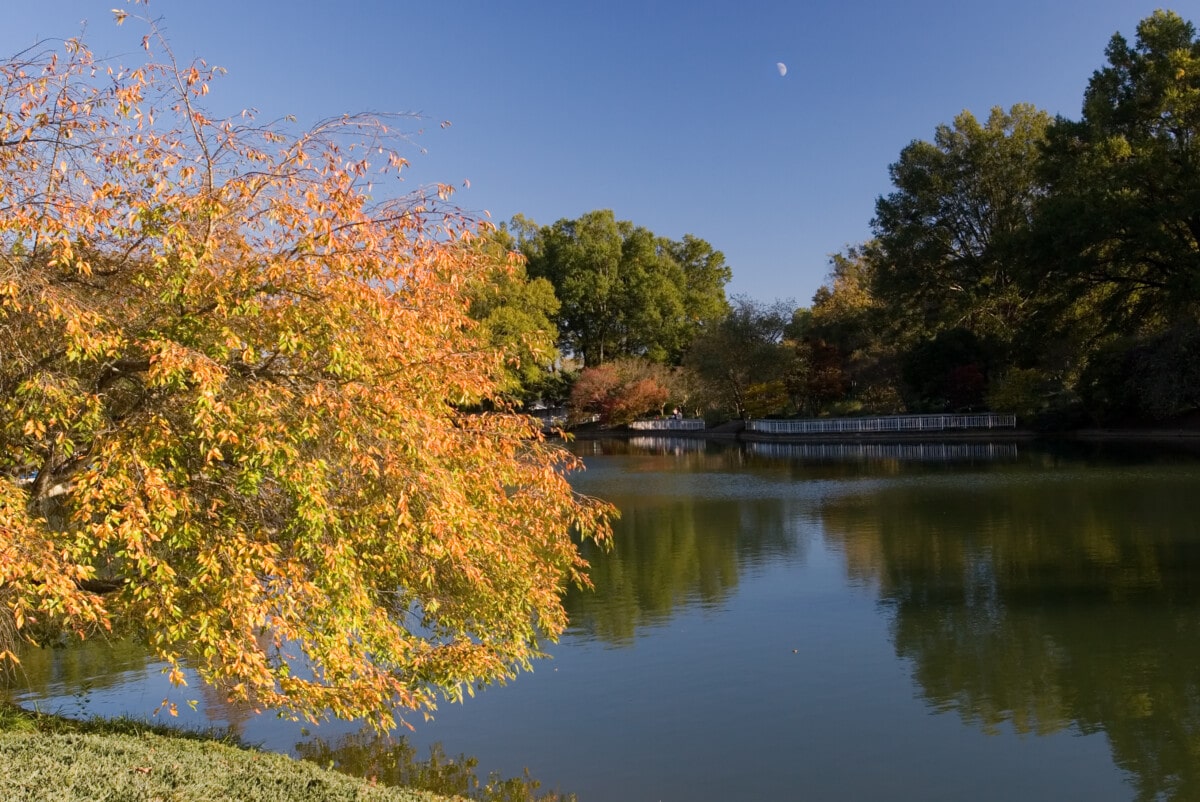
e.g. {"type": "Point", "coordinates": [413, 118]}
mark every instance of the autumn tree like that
{"type": "Point", "coordinates": [847, 316]}
{"type": "Point", "coordinates": [622, 390]}
{"type": "Point", "coordinates": [744, 349]}
{"type": "Point", "coordinates": [232, 383]}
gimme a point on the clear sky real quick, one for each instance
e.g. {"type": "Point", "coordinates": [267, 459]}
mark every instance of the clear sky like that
{"type": "Point", "coordinates": [672, 114]}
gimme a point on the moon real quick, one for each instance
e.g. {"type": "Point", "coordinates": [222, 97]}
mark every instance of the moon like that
{"type": "Point", "coordinates": [779, 65]}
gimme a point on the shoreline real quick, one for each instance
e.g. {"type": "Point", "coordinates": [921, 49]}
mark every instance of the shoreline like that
{"type": "Point", "coordinates": [735, 432]}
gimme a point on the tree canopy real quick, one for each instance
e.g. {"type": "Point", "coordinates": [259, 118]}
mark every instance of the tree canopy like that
{"type": "Point", "coordinates": [948, 236]}
{"type": "Point", "coordinates": [516, 315]}
{"type": "Point", "coordinates": [1052, 266]}
{"type": "Point", "coordinates": [1120, 225]}
{"type": "Point", "coordinates": [624, 291]}
{"type": "Point", "coordinates": [743, 355]}
{"type": "Point", "coordinates": [232, 387]}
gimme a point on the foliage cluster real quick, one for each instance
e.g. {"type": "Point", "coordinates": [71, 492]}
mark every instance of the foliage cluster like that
{"type": "Point", "coordinates": [239, 394]}
{"type": "Point", "coordinates": [1040, 263]}
{"type": "Point", "coordinates": [623, 291]}
{"type": "Point", "coordinates": [621, 391]}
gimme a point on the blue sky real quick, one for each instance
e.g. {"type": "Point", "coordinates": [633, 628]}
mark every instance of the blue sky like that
{"type": "Point", "coordinates": [671, 114]}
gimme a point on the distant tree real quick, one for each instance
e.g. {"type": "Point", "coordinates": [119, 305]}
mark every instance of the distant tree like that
{"type": "Point", "coordinates": [622, 391]}
{"type": "Point", "coordinates": [516, 316]}
{"type": "Point", "coordinates": [815, 376]}
{"type": "Point", "coordinates": [950, 237]}
{"type": "Point", "coordinates": [947, 373]}
{"type": "Point", "coordinates": [1139, 378]}
{"type": "Point", "coordinates": [1119, 230]}
{"type": "Point", "coordinates": [744, 349]}
{"type": "Point", "coordinates": [705, 275]}
{"type": "Point", "coordinates": [624, 291]}
{"type": "Point", "coordinates": [847, 316]}
{"type": "Point", "coordinates": [1018, 391]}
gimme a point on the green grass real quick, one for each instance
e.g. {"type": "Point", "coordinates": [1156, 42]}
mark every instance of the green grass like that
{"type": "Point", "coordinates": [50, 758]}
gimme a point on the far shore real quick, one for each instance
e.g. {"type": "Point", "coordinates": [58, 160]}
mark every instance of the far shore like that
{"type": "Point", "coordinates": [735, 431]}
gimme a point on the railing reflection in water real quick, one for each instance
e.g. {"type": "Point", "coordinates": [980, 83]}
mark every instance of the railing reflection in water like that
{"type": "Point", "coordinates": [668, 445]}
{"type": "Point", "coordinates": [905, 452]}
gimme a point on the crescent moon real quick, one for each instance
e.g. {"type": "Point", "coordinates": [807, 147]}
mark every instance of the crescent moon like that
{"type": "Point", "coordinates": [779, 65]}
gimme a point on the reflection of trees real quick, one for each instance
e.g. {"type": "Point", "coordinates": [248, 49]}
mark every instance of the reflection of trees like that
{"type": "Point", "coordinates": [394, 762]}
{"type": "Point", "coordinates": [1073, 602]}
{"type": "Point", "coordinates": [673, 552]}
{"type": "Point", "coordinates": [76, 668]}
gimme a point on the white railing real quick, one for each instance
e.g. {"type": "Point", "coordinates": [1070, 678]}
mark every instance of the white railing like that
{"type": "Point", "coordinates": [669, 424]}
{"type": "Point", "coordinates": [889, 423]}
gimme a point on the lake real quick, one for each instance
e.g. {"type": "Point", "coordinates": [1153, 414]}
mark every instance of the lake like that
{"type": "Point", "coordinates": [849, 621]}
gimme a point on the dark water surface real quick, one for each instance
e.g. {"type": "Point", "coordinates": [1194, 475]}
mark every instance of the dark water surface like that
{"type": "Point", "coordinates": [937, 622]}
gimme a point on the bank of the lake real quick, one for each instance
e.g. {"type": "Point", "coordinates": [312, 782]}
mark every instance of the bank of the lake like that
{"type": "Point", "coordinates": [736, 431]}
{"type": "Point", "coordinates": [48, 757]}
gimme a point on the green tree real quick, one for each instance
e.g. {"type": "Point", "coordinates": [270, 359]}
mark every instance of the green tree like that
{"type": "Point", "coordinates": [1119, 230]}
{"type": "Point", "coordinates": [516, 316]}
{"type": "Point", "coordinates": [625, 292]}
{"type": "Point", "coordinates": [950, 237]}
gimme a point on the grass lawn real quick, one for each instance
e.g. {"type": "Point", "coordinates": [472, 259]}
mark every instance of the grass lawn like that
{"type": "Point", "coordinates": [50, 758]}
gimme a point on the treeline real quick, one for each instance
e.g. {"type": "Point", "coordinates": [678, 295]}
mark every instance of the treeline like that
{"type": "Point", "coordinates": [1023, 263]}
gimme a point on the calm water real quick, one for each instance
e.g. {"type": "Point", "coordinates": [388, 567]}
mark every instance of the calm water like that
{"type": "Point", "coordinates": [925, 623]}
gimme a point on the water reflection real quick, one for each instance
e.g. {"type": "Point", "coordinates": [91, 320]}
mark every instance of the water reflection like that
{"type": "Point", "coordinates": [397, 763]}
{"type": "Point", "coordinates": [1047, 602]}
{"type": "Point", "coordinates": [76, 670]}
{"type": "Point", "coordinates": [667, 445]}
{"type": "Point", "coordinates": [773, 611]}
{"type": "Point", "coordinates": [903, 452]}
{"type": "Point", "coordinates": [677, 544]}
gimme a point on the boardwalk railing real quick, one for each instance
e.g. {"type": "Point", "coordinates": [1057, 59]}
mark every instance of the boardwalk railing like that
{"type": "Point", "coordinates": [669, 424]}
{"type": "Point", "coordinates": [889, 423]}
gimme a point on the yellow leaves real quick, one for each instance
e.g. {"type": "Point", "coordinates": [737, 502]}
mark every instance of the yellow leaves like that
{"type": "Point", "coordinates": [257, 378]}
{"type": "Point", "coordinates": [35, 428]}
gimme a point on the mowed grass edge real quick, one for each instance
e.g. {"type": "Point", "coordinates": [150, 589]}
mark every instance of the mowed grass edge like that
{"type": "Point", "coordinates": [47, 758]}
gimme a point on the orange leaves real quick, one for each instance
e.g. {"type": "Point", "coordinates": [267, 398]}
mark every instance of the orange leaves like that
{"type": "Point", "coordinates": [241, 378]}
